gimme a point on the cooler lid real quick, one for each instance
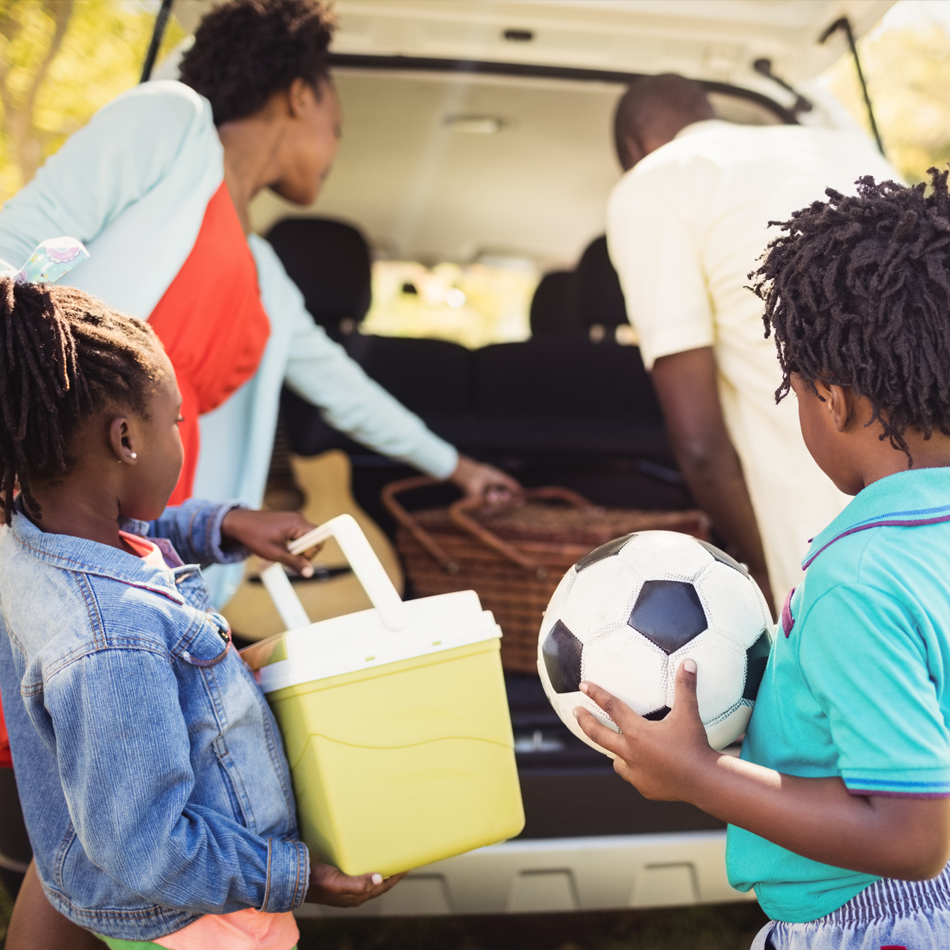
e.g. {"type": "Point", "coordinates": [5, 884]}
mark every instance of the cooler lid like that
{"type": "Point", "coordinates": [360, 641]}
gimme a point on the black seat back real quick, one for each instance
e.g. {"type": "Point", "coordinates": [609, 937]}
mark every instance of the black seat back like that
{"type": "Point", "coordinates": [552, 376]}
{"type": "Point", "coordinates": [554, 306]}
{"type": "Point", "coordinates": [427, 376]}
{"type": "Point", "coordinates": [330, 262]}
{"type": "Point", "coordinates": [600, 297]}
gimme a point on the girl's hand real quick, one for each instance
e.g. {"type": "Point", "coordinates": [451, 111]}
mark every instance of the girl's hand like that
{"type": "Point", "coordinates": [329, 885]}
{"type": "Point", "coordinates": [662, 760]}
{"type": "Point", "coordinates": [268, 533]}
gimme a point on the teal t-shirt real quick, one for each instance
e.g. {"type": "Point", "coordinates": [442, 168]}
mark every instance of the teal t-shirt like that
{"type": "Point", "coordinates": [857, 682]}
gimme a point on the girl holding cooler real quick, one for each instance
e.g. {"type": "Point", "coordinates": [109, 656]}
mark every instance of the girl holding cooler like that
{"type": "Point", "coordinates": [152, 775]}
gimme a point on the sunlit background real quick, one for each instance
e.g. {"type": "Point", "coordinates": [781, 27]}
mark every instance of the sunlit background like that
{"type": "Point", "coordinates": [60, 60]}
{"type": "Point", "coordinates": [906, 62]}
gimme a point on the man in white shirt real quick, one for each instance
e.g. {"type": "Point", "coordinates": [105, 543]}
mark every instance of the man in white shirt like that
{"type": "Point", "coordinates": [685, 227]}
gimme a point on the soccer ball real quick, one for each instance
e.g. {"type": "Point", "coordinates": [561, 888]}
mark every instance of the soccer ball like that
{"type": "Point", "coordinates": [627, 614]}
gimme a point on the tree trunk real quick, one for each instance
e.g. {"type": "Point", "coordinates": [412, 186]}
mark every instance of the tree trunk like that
{"type": "Point", "coordinates": [27, 144]}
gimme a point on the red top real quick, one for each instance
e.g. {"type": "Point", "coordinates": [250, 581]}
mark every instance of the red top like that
{"type": "Point", "coordinates": [212, 324]}
{"type": "Point", "coordinates": [6, 760]}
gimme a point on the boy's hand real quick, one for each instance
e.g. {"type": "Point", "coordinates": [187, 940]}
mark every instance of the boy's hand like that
{"type": "Point", "coordinates": [660, 759]}
{"type": "Point", "coordinates": [329, 885]}
{"type": "Point", "coordinates": [268, 533]}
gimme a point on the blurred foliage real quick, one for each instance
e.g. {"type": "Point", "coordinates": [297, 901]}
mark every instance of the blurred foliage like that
{"type": "Point", "coordinates": [60, 60]}
{"type": "Point", "coordinates": [908, 74]}
{"type": "Point", "coordinates": [473, 305]}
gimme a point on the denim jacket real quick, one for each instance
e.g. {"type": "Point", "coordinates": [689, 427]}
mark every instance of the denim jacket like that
{"type": "Point", "coordinates": [150, 768]}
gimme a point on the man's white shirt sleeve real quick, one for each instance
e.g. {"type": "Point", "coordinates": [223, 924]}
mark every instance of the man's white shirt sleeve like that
{"type": "Point", "coordinates": [655, 253]}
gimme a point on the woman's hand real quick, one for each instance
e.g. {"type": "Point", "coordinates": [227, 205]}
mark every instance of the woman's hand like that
{"type": "Point", "coordinates": [268, 534]}
{"type": "Point", "coordinates": [483, 481]}
{"type": "Point", "coordinates": [329, 885]}
{"type": "Point", "coordinates": [662, 760]}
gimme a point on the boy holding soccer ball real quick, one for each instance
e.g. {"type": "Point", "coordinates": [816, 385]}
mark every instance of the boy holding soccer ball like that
{"type": "Point", "coordinates": [839, 808]}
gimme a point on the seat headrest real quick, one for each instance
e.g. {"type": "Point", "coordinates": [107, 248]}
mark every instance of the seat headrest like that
{"type": "Point", "coordinates": [554, 304]}
{"type": "Point", "coordinates": [330, 262]}
{"type": "Point", "coordinates": [601, 299]}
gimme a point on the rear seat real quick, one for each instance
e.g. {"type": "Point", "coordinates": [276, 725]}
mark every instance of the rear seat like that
{"type": "Point", "coordinates": [329, 261]}
{"type": "Point", "coordinates": [562, 395]}
{"type": "Point", "coordinates": [433, 378]}
{"type": "Point", "coordinates": [554, 306]}
{"type": "Point", "coordinates": [598, 288]}
{"type": "Point", "coordinates": [555, 408]}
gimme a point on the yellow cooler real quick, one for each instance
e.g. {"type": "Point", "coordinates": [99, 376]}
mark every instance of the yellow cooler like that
{"type": "Point", "coordinates": [395, 720]}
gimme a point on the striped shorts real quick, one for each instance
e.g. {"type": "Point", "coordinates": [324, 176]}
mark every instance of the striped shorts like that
{"type": "Point", "coordinates": [887, 915]}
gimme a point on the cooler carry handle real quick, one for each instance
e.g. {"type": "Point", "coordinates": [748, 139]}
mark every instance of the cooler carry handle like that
{"type": "Point", "coordinates": [361, 557]}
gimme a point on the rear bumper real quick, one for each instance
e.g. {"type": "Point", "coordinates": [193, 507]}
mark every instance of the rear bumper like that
{"type": "Point", "coordinates": [563, 874]}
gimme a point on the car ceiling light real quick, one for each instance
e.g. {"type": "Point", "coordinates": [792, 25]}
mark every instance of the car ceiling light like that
{"type": "Point", "coordinates": [474, 124]}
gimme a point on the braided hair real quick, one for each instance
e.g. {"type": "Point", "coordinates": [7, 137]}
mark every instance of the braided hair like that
{"type": "Point", "coordinates": [63, 356]}
{"type": "Point", "coordinates": [857, 293]}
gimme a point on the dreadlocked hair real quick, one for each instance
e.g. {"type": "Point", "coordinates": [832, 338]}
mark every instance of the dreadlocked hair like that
{"type": "Point", "coordinates": [63, 356]}
{"type": "Point", "coordinates": [857, 293]}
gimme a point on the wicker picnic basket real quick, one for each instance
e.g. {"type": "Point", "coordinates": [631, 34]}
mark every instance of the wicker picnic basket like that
{"type": "Point", "coordinates": [514, 555]}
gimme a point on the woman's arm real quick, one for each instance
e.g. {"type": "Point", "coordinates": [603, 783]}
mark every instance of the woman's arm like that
{"type": "Point", "coordinates": [105, 167]}
{"type": "Point", "coordinates": [322, 372]}
{"type": "Point", "coordinates": [900, 837]}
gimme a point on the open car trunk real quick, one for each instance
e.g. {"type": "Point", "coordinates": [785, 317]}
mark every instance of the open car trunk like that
{"type": "Point", "coordinates": [478, 132]}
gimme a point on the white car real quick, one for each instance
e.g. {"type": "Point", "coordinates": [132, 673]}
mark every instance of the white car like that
{"type": "Point", "coordinates": [481, 131]}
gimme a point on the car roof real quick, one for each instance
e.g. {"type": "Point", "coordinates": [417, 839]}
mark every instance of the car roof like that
{"type": "Point", "coordinates": [715, 40]}
{"type": "Point", "coordinates": [705, 39]}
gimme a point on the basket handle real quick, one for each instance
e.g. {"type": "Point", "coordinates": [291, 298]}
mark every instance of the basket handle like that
{"type": "Point", "coordinates": [361, 557]}
{"type": "Point", "coordinates": [388, 497]}
{"type": "Point", "coordinates": [458, 513]}
{"type": "Point", "coordinates": [556, 492]}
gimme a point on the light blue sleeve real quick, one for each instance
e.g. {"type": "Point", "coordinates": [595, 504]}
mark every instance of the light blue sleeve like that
{"type": "Point", "coordinates": [867, 666]}
{"type": "Point", "coordinates": [321, 372]}
{"type": "Point", "coordinates": [119, 156]}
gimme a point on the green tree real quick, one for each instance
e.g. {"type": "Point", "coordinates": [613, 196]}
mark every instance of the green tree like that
{"type": "Point", "coordinates": [908, 75]}
{"type": "Point", "coordinates": [32, 34]}
{"type": "Point", "coordinates": [61, 60]}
